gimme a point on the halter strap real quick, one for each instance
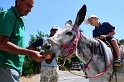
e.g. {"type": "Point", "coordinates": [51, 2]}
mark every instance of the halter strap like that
{"type": "Point", "coordinates": [86, 65]}
{"type": "Point", "coordinates": [70, 47]}
{"type": "Point", "coordinates": [101, 73]}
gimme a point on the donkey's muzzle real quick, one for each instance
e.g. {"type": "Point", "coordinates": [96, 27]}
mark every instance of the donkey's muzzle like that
{"type": "Point", "coordinates": [49, 60]}
{"type": "Point", "coordinates": [47, 46]}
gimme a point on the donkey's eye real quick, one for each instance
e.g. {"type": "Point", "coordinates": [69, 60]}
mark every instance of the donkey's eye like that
{"type": "Point", "coordinates": [69, 33]}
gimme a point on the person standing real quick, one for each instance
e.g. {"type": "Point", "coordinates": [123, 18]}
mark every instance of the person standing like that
{"type": "Point", "coordinates": [105, 31]}
{"type": "Point", "coordinates": [12, 41]}
{"type": "Point", "coordinates": [49, 72]}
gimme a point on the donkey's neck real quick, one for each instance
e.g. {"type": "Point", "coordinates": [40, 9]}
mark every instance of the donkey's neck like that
{"type": "Point", "coordinates": [87, 46]}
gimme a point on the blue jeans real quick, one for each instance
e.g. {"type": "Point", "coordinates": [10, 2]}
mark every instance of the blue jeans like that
{"type": "Point", "coordinates": [9, 74]}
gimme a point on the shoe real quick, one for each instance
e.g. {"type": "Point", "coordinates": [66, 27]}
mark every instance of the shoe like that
{"type": "Point", "coordinates": [118, 63]}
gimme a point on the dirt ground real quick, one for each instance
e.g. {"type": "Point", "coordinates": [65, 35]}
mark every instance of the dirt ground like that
{"type": "Point", "coordinates": [34, 78]}
{"type": "Point", "coordinates": [64, 76]}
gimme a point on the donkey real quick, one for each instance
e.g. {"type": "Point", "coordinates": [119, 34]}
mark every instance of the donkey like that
{"type": "Point", "coordinates": [69, 40]}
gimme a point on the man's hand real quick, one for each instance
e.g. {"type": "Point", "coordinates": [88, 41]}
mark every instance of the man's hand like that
{"type": "Point", "coordinates": [35, 55]}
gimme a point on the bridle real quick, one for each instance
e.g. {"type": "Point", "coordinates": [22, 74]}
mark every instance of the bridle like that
{"type": "Point", "coordinates": [68, 47]}
{"type": "Point", "coordinates": [73, 44]}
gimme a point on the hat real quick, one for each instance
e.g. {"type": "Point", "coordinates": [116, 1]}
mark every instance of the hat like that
{"type": "Point", "coordinates": [91, 16]}
{"type": "Point", "coordinates": [55, 27]}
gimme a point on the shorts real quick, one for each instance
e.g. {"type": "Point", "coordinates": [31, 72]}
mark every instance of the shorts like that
{"type": "Point", "coordinates": [49, 74]}
{"type": "Point", "coordinates": [9, 74]}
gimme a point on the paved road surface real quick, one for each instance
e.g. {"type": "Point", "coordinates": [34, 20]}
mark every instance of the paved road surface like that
{"type": "Point", "coordinates": [65, 76]}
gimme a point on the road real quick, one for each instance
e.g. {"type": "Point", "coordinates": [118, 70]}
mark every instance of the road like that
{"type": "Point", "coordinates": [65, 76]}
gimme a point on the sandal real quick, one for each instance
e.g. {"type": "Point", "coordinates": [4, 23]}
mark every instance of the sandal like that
{"type": "Point", "coordinates": [118, 63]}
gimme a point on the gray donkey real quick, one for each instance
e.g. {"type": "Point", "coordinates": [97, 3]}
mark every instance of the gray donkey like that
{"type": "Point", "coordinates": [96, 55]}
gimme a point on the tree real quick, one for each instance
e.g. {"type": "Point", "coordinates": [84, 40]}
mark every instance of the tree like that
{"type": "Point", "coordinates": [121, 41]}
{"type": "Point", "coordinates": [33, 38]}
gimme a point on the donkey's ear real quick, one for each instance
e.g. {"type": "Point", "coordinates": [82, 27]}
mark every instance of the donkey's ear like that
{"type": "Point", "coordinates": [68, 23]}
{"type": "Point", "coordinates": [80, 16]}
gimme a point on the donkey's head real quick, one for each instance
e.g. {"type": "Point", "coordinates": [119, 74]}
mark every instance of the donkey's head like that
{"type": "Point", "coordinates": [63, 43]}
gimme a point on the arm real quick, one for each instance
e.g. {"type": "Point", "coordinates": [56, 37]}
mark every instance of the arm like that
{"type": "Point", "coordinates": [111, 33]}
{"type": "Point", "coordinates": [110, 29]}
{"type": "Point", "coordinates": [8, 46]}
{"type": "Point", "coordinates": [108, 35]}
{"type": "Point", "coordinates": [37, 43]}
{"type": "Point", "coordinates": [31, 47]}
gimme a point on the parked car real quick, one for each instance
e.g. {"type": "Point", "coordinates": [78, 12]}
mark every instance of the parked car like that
{"type": "Point", "coordinates": [77, 66]}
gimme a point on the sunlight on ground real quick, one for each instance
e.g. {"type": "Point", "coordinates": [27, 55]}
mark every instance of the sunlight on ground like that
{"type": "Point", "coordinates": [34, 78]}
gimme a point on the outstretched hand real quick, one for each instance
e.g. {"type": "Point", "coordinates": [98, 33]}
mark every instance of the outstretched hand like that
{"type": "Point", "coordinates": [36, 56]}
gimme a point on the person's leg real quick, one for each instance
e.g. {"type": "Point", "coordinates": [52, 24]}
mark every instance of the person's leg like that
{"type": "Point", "coordinates": [54, 75]}
{"type": "Point", "coordinates": [45, 74]}
{"type": "Point", "coordinates": [117, 62]}
{"type": "Point", "coordinates": [116, 48]}
{"type": "Point", "coordinates": [9, 75]}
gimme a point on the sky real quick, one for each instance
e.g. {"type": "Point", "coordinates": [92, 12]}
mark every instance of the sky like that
{"type": "Point", "coordinates": [47, 13]}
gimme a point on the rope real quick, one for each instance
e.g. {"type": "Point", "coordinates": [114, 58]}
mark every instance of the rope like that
{"type": "Point", "coordinates": [115, 75]}
{"type": "Point", "coordinates": [86, 65]}
{"type": "Point", "coordinates": [109, 45]}
{"type": "Point", "coordinates": [111, 76]}
{"type": "Point", "coordinates": [69, 70]}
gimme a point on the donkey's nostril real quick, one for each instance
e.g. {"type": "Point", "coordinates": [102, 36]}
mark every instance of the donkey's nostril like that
{"type": "Point", "coordinates": [49, 47]}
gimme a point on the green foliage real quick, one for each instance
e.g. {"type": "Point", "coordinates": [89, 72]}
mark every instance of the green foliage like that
{"type": "Point", "coordinates": [27, 67]}
{"type": "Point", "coordinates": [30, 66]}
{"type": "Point", "coordinates": [38, 35]}
{"type": "Point", "coordinates": [1, 9]}
{"type": "Point", "coordinates": [121, 41]}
